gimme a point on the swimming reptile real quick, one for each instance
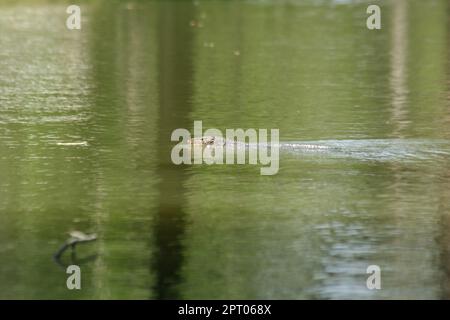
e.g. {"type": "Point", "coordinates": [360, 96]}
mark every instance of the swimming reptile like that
{"type": "Point", "coordinates": [219, 141]}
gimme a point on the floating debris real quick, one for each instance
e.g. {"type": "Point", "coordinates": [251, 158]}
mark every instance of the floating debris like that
{"type": "Point", "coordinates": [75, 238]}
{"type": "Point", "coordinates": [197, 24]}
{"type": "Point", "coordinates": [80, 143]}
{"type": "Point", "coordinates": [208, 44]}
{"type": "Point", "coordinates": [237, 53]}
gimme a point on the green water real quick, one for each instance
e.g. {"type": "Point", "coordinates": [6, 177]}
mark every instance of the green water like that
{"type": "Point", "coordinates": [138, 70]}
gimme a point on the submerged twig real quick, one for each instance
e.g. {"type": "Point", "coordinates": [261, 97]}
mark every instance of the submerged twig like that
{"type": "Point", "coordinates": [76, 237]}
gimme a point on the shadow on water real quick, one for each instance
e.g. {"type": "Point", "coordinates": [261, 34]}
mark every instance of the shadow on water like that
{"type": "Point", "coordinates": [175, 91]}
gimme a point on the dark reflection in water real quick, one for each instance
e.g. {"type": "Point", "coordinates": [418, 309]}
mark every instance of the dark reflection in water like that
{"type": "Point", "coordinates": [175, 94]}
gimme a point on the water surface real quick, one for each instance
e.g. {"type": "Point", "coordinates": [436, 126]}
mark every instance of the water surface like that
{"type": "Point", "coordinates": [85, 124]}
